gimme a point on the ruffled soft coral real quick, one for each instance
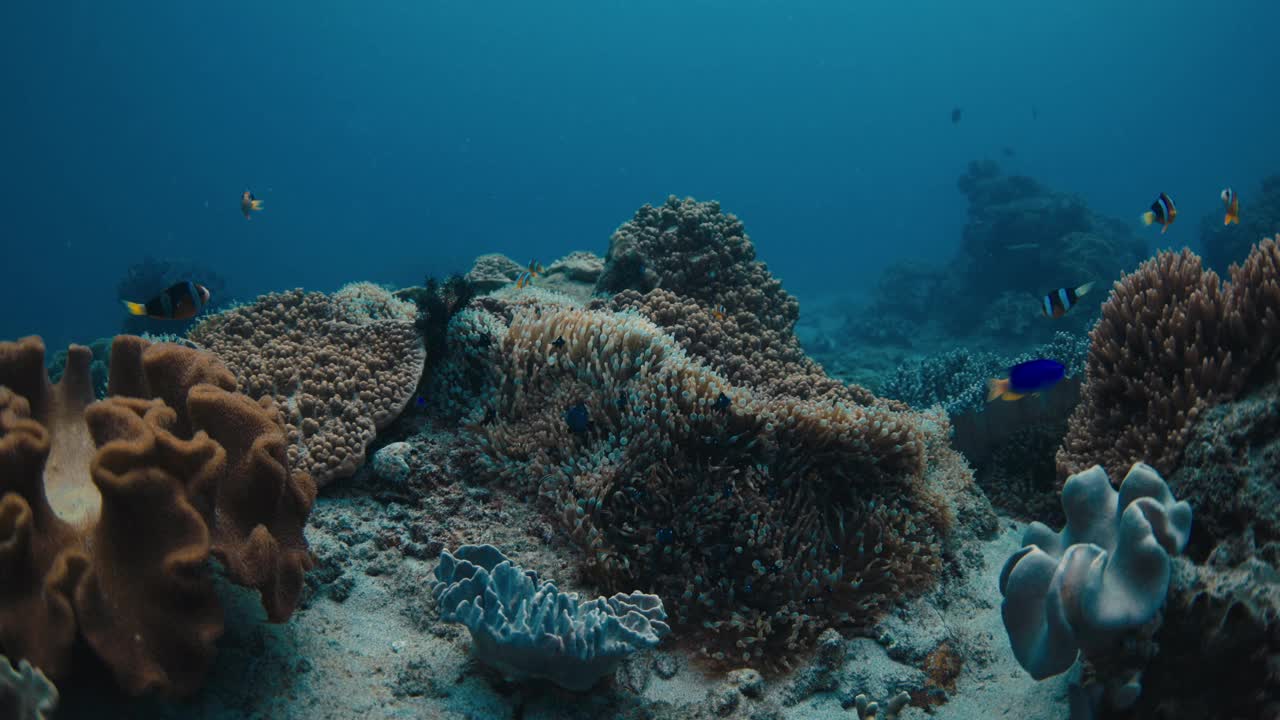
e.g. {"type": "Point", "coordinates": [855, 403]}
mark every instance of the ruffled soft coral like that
{"type": "Point", "coordinates": [110, 511]}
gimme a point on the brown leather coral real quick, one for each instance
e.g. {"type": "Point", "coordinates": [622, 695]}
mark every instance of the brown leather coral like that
{"type": "Point", "coordinates": [109, 511]}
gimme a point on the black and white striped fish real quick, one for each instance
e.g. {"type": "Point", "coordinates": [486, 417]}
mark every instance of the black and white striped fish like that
{"type": "Point", "coordinates": [1162, 211]}
{"type": "Point", "coordinates": [1057, 303]}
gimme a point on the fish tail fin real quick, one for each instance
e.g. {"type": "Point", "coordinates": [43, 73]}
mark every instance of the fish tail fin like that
{"type": "Point", "coordinates": [1084, 288]}
{"type": "Point", "coordinates": [257, 204]}
{"type": "Point", "coordinates": [1148, 217]}
{"type": "Point", "coordinates": [1164, 228]}
{"type": "Point", "coordinates": [1231, 220]}
{"type": "Point", "coordinates": [996, 388]}
{"type": "Point", "coordinates": [135, 308]}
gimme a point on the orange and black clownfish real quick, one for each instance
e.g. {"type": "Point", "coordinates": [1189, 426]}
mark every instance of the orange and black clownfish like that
{"type": "Point", "coordinates": [180, 302]}
{"type": "Point", "coordinates": [249, 203]}
{"type": "Point", "coordinates": [1232, 201]}
{"type": "Point", "coordinates": [1057, 303]}
{"type": "Point", "coordinates": [1162, 211]}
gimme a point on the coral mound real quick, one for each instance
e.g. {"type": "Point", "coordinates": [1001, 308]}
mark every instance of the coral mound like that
{"type": "Point", "coordinates": [529, 629]}
{"type": "Point", "coordinates": [760, 519]}
{"type": "Point", "coordinates": [110, 510]}
{"type": "Point", "coordinates": [1105, 573]}
{"type": "Point", "coordinates": [338, 372]}
{"type": "Point", "coordinates": [1172, 341]}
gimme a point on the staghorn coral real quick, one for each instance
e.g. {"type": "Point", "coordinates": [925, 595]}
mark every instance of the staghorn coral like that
{"type": "Point", "coordinates": [110, 511]}
{"type": "Point", "coordinates": [759, 519]}
{"type": "Point", "coordinates": [1172, 342]}
{"type": "Point", "coordinates": [527, 628]}
{"type": "Point", "coordinates": [338, 373]}
{"type": "Point", "coordinates": [25, 693]}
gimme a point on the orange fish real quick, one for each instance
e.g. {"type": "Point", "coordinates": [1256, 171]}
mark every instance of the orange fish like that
{"type": "Point", "coordinates": [1232, 201]}
{"type": "Point", "coordinates": [249, 203]}
{"type": "Point", "coordinates": [179, 302]}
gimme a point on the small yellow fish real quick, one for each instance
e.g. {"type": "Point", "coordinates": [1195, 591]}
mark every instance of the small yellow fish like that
{"type": "Point", "coordinates": [249, 203]}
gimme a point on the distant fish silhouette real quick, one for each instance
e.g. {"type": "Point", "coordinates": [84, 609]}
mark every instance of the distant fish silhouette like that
{"type": "Point", "coordinates": [1008, 151]}
{"type": "Point", "coordinates": [1035, 113]}
{"type": "Point", "coordinates": [956, 112]}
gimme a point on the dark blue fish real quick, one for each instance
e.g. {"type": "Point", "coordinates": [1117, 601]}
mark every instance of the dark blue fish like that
{"type": "Point", "coordinates": [577, 418]}
{"type": "Point", "coordinates": [722, 402]}
{"type": "Point", "coordinates": [558, 342]}
{"type": "Point", "coordinates": [1028, 378]}
{"type": "Point", "coordinates": [666, 536]}
{"type": "Point", "coordinates": [422, 401]}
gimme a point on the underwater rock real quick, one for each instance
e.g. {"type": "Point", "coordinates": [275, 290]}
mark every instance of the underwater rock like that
{"type": "Point", "coordinates": [337, 374]}
{"type": "Point", "coordinates": [111, 511]}
{"type": "Point", "coordinates": [578, 266]}
{"type": "Point", "coordinates": [1106, 573]}
{"type": "Point", "coordinates": [526, 628]}
{"type": "Point", "coordinates": [391, 463]}
{"type": "Point", "coordinates": [493, 271]}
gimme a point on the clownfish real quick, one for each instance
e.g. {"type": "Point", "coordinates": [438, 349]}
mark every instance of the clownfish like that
{"type": "Point", "coordinates": [249, 203]}
{"type": "Point", "coordinates": [1162, 211]}
{"type": "Point", "coordinates": [1057, 303]}
{"type": "Point", "coordinates": [180, 302]}
{"type": "Point", "coordinates": [1232, 201]}
{"type": "Point", "coordinates": [526, 278]}
{"type": "Point", "coordinates": [1028, 378]}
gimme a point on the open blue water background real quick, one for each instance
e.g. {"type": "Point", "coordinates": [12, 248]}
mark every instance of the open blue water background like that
{"type": "Point", "coordinates": [390, 140]}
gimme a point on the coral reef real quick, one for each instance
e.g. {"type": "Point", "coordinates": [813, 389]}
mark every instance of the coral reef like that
{"type": "Point", "coordinates": [1172, 341]}
{"type": "Point", "coordinates": [527, 628]}
{"type": "Point", "coordinates": [760, 519]}
{"type": "Point", "coordinates": [1021, 241]}
{"type": "Point", "coordinates": [437, 303]}
{"type": "Point", "coordinates": [338, 372]}
{"type": "Point", "coordinates": [110, 511]}
{"type": "Point", "coordinates": [25, 693]}
{"type": "Point", "coordinates": [1223, 245]}
{"type": "Point", "coordinates": [1104, 575]}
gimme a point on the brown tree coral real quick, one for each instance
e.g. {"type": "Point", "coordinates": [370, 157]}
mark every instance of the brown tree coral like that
{"type": "Point", "coordinates": [1172, 341]}
{"type": "Point", "coordinates": [338, 374]}
{"type": "Point", "coordinates": [109, 511]}
{"type": "Point", "coordinates": [759, 519]}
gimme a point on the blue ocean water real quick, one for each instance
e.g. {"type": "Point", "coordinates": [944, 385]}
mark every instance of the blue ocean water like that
{"type": "Point", "coordinates": [393, 140]}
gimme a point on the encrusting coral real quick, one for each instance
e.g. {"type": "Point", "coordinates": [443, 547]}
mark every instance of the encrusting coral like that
{"type": "Point", "coordinates": [338, 368]}
{"type": "Point", "coordinates": [1172, 341]}
{"type": "Point", "coordinates": [526, 628]}
{"type": "Point", "coordinates": [111, 510]}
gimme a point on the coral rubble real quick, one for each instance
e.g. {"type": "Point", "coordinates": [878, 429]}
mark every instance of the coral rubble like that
{"type": "Point", "coordinates": [338, 367]}
{"type": "Point", "coordinates": [110, 511]}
